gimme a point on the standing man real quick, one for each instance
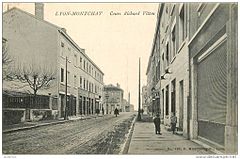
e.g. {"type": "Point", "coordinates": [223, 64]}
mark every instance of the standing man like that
{"type": "Point", "coordinates": [173, 122]}
{"type": "Point", "coordinates": [157, 123]}
{"type": "Point", "coordinates": [116, 112]}
{"type": "Point", "coordinates": [102, 111]}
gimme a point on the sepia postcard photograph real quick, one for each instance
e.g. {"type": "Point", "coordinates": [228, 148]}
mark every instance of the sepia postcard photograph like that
{"type": "Point", "coordinates": [119, 79]}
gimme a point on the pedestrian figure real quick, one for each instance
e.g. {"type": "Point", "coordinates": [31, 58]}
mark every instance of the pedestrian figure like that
{"type": "Point", "coordinates": [102, 111]}
{"type": "Point", "coordinates": [116, 112]}
{"type": "Point", "coordinates": [173, 122]}
{"type": "Point", "coordinates": [157, 123]}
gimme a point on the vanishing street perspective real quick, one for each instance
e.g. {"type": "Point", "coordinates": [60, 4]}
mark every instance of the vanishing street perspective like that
{"type": "Point", "coordinates": [119, 78]}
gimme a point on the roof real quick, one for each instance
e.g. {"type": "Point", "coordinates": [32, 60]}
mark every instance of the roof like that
{"type": "Point", "coordinates": [60, 29]}
{"type": "Point", "coordinates": [19, 87]}
{"type": "Point", "coordinates": [111, 87]}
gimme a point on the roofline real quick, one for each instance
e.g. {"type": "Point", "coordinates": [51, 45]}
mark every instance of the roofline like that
{"type": "Point", "coordinates": [59, 29]}
{"type": "Point", "coordinates": [33, 16]}
{"type": "Point", "coordinates": [80, 49]}
{"type": "Point", "coordinates": [160, 9]}
{"type": "Point", "coordinates": [112, 86]}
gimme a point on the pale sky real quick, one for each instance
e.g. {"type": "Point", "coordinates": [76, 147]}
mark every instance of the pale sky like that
{"type": "Point", "coordinates": [113, 42]}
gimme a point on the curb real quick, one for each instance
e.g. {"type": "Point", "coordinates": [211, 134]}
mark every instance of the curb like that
{"type": "Point", "coordinates": [44, 124]}
{"type": "Point", "coordinates": [125, 147]}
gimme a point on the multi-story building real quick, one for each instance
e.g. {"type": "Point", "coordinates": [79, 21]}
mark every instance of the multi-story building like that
{"type": "Point", "coordinates": [198, 70]}
{"type": "Point", "coordinates": [174, 69]}
{"type": "Point", "coordinates": [40, 44]}
{"type": "Point", "coordinates": [213, 61]}
{"type": "Point", "coordinates": [113, 98]}
{"type": "Point", "coordinates": [151, 85]}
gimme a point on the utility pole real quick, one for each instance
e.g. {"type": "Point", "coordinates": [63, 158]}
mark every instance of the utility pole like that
{"type": "Point", "coordinates": [139, 91]}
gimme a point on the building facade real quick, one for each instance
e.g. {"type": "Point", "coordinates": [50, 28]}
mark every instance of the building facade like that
{"type": "Point", "coordinates": [213, 61]}
{"type": "Point", "coordinates": [198, 71]}
{"type": "Point", "coordinates": [113, 98]}
{"type": "Point", "coordinates": [144, 99]}
{"type": "Point", "coordinates": [36, 42]}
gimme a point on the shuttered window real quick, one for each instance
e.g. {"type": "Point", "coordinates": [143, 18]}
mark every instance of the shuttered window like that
{"type": "Point", "coordinates": [212, 95]}
{"type": "Point", "coordinates": [212, 86]}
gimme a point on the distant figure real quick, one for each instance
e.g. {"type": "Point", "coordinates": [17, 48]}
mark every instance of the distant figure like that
{"type": "Point", "coordinates": [102, 111]}
{"type": "Point", "coordinates": [116, 112]}
{"type": "Point", "coordinates": [142, 111]}
{"type": "Point", "coordinates": [173, 122]}
{"type": "Point", "coordinates": [157, 122]}
{"type": "Point", "coordinates": [97, 111]}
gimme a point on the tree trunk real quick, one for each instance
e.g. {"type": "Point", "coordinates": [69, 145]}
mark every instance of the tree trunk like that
{"type": "Point", "coordinates": [34, 98]}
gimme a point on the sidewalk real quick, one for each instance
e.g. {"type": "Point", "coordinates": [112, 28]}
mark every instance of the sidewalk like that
{"type": "Point", "coordinates": [145, 141]}
{"type": "Point", "coordinates": [34, 124]}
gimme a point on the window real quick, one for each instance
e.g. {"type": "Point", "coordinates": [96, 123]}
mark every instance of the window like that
{"type": "Point", "coordinates": [75, 81]}
{"type": "Point", "coordinates": [84, 64]}
{"type": "Point", "coordinates": [84, 84]}
{"type": "Point", "coordinates": [90, 88]}
{"type": "Point", "coordinates": [167, 100]}
{"type": "Point", "coordinates": [62, 75]}
{"type": "Point", "coordinates": [90, 69]}
{"type": "Point", "coordinates": [181, 25]}
{"type": "Point", "coordinates": [68, 77]}
{"type": "Point", "coordinates": [87, 66]}
{"type": "Point", "coordinates": [80, 61]}
{"type": "Point", "coordinates": [80, 82]}
{"type": "Point", "coordinates": [167, 54]}
{"type": "Point", "coordinates": [62, 49]}
{"type": "Point", "coordinates": [75, 59]}
{"type": "Point", "coordinates": [173, 39]}
{"type": "Point", "coordinates": [173, 96]}
{"type": "Point", "coordinates": [163, 64]}
{"type": "Point", "coordinates": [87, 85]}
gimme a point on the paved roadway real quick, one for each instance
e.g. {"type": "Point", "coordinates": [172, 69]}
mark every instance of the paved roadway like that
{"type": "Point", "coordinates": [92, 136]}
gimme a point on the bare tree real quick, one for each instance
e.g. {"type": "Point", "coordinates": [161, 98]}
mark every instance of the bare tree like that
{"type": "Point", "coordinates": [36, 76]}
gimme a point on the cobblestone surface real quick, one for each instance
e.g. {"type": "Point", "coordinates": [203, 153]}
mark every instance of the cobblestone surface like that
{"type": "Point", "coordinates": [103, 135]}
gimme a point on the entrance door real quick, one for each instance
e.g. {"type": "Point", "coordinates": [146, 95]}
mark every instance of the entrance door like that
{"type": "Point", "coordinates": [62, 106]}
{"type": "Point", "coordinates": [181, 104]}
{"type": "Point", "coordinates": [173, 97]}
{"type": "Point", "coordinates": [80, 105]}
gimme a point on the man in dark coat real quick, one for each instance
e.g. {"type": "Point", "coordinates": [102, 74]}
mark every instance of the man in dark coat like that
{"type": "Point", "coordinates": [116, 112]}
{"type": "Point", "coordinates": [157, 123]}
{"type": "Point", "coordinates": [173, 123]}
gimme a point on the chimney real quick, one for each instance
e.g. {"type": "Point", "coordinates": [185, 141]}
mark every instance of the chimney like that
{"type": "Point", "coordinates": [64, 30]}
{"type": "Point", "coordinates": [118, 85]}
{"type": "Point", "coordinates": [39, 10]}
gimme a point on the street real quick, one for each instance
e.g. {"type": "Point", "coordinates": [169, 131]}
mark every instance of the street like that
{"type": "Point", "coordinates": [101, 135]}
